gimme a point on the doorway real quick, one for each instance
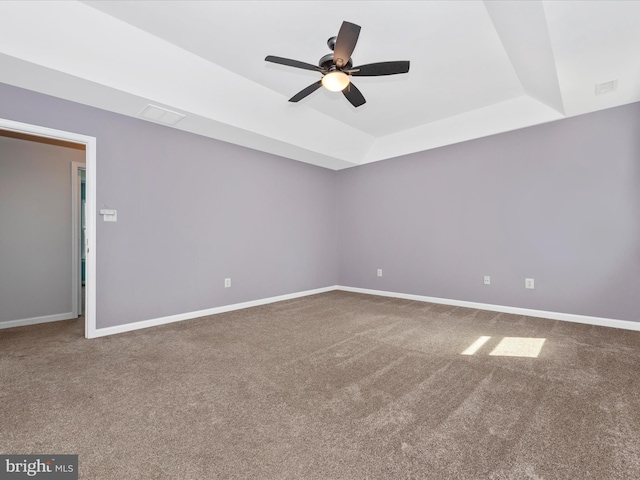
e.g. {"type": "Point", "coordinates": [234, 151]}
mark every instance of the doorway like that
{"type": "Point", "coordinates": [89, 246]}
{"type": "Point", "coordinates": [78, 236]}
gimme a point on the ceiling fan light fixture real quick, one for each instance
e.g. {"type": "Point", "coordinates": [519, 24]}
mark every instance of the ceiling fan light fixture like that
{"type": "Point", "coordinates": [335, 81]}
{"type": "Point", "coordinates": [336, 73]}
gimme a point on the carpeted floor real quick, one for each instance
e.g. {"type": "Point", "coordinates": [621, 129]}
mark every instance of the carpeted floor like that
{"type": "Point", "coordinates": [332, 386]}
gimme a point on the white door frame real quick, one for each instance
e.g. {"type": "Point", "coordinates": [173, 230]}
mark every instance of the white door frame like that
{"type": "Point", "coordinates": [90, 239]}
{"type": "Point", "coordinates": [76, 248]}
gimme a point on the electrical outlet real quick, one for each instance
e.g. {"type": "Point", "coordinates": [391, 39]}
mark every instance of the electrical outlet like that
{"type": "Point", "coordinates": [227, 282]}
{"type": "Point", "coordinates": [487, 280]}
{"type": "Point", "coordinates": [379, 272]}
{"type": "Point", "coordinates": [528, 283]}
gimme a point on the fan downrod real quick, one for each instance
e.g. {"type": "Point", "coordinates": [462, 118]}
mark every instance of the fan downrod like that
{"type": "Point", "coordinates": [326, 62]}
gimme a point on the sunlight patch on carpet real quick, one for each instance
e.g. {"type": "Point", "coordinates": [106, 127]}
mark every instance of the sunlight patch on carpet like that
{"type": "Point", "coordinates": [475, 346]}
{"type": "Point", "coordinates": [509, 347]}
{"type": "Point", "coordinates": [518, 347]}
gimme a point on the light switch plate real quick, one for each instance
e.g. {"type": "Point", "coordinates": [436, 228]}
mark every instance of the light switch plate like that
{"type": "Point", "coordinates": [109, 215]}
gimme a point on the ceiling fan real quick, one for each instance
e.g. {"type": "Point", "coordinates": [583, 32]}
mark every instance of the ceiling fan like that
{"type": "Point", "coordinates": [337, 67]}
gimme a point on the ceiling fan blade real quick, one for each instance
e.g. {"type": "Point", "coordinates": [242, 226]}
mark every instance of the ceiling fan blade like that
{"type": "Point", "coordinates": [303, 93]}
{"type": "Point", "coordinates": [353, 95]}
{"type": "Point", "coordinates": [292, 63]}
{"type": "Point", "coordinates": [379, 69]}
{"type": "Point", "coordinates": [345, 43]}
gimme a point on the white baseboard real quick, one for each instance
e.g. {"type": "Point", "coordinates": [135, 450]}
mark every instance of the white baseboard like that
{"type": "Point", "coordinates": [34, 320]}
{"type": "Point", "coordinates": [567, 317]}
{"type": "Point", "coordinates": [101, 332]}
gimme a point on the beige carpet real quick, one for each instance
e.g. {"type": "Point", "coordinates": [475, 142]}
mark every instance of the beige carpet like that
{"type": "Point", "coordinates": [333, 386]}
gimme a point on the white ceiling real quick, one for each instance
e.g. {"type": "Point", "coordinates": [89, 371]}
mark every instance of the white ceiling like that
{"type": "Point", "coordinates": [477, 68]}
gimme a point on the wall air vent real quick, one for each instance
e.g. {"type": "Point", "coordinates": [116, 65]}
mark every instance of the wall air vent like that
{"type": "Point", "coordinates": [606, 87]}
{"type": "Point", "coordinates": [161, 115]}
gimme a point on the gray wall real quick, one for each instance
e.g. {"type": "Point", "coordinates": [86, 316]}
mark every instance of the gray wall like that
{"type": "Point", "coordinates": [192, 211]}
{"type": "Point", "coordinates": [35, 228]}
{"type": "Point", "coordinates": [558, 202]}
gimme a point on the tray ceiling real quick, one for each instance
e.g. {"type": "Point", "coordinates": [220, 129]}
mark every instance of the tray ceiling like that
{"type": "Point", "coordinates": [477, 68]}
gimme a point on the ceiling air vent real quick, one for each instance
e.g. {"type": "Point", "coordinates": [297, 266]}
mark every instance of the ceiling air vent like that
{"type": "Point", "coordinates": [161, 115]}
{"type": "Point", "coordinates": [606, 87]}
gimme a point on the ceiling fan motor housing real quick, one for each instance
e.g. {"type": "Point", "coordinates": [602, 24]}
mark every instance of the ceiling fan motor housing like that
{"type": "Point", "coordinates": [326, 62]}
